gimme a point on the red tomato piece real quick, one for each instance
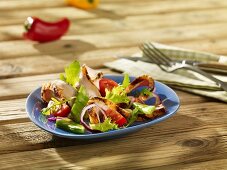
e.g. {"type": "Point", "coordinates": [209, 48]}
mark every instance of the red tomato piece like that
{"type": "Point", "coordinates": [63, 111]}
{"type": "Point", "coordinates": [116, 117]}
{"type": "Point", "coordinates": [108, 84]}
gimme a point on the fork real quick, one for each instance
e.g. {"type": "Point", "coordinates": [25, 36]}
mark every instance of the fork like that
{"type": "Point", "coordinates": [168, 65]}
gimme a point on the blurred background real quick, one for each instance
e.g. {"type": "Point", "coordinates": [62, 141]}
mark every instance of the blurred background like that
{"type": "Point", "coordinates": [107, 28]}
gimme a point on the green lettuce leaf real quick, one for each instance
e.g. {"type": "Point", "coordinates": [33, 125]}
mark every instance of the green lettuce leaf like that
{"type": "Point", "coordinates": [143, 108]}
{"type": "Point", "coordinates": [62, 77]}
{"type": "Point", "coordinates": [118, 94]}
{"type": "Point", "coordinates": [72, 73]}
{"type": "Point", "coordinates": [140, 109]}
{"type": "Point", "coordinates": [80, 102]}
{"type": "Point", "coordinates": [134, 115]}
{"type": "Point", "coordinates": [104, 126]}
{"type": "Point", "coordinates": [146, 92]}
{"type": "Point", "coordinates": [126, 81]}
{"type": "Point", "coordinates": [46, 111]}
{"type": "Point", "coordinates": [56, 104]}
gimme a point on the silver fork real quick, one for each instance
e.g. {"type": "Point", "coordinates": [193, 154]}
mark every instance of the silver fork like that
{"type": "Point", "coordinates": [168, 65]}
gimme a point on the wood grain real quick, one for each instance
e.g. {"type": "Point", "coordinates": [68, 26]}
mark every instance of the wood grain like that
{"type": "Point", "coordinates": [15, 112]}
{"type": "Point", "coordinates": [82, 26]}
{"type": "Point", "coordinates": [113, 40]}
{"type": "Point", "coordinates": [20, 87]}
{"type": "Point", "coordinates": [26, 4]}
{"type": "Point", "coordinates": [29, 65]}
{"type": "Point", "coordinates": [25, 66]}
{"type": "Point", "coordinates": [26, 136]}
{"type": "Point", "coordinates": [206, 145]}
{"type": "Point", "coordinates": [193, 139]}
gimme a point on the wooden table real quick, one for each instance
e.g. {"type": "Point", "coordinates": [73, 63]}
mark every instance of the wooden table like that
{"type": "Point", "coordinates": [195, 138]}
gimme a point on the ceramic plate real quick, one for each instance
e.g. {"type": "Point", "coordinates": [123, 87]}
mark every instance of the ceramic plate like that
{"type": "Point", "coordinates": [34, 104]}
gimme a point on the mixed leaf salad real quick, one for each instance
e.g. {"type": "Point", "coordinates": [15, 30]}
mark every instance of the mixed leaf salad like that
{"type": "Point", "coordinates": [82, 100]}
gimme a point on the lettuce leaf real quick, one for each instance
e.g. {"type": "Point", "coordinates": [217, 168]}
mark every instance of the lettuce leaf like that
{"type": "Point", "coordinates": [126, 81]}
{"type": "Point", "coordinates": [80, 102]}
{"type": "Point", "coordinates": [72, 73]}
{"type": "Point", "coordinates": [140, 109]}
{"type": "Point", "coordinates": [134, 115]}
{"type": "Point", "coordinates": [146, 92]}
{"type": "Point", "coordinates": [118, 94]}
{"type": "Point", "coordinates": [53, 106]}
{"type": "Point", "coordinates": [62, 77]}
{"type": "Point", "coordinates": [143, 108]}
{"type": "Point", "coordinates": [46, 111]}
{"type": "Point", "coordinates": [104, 126]}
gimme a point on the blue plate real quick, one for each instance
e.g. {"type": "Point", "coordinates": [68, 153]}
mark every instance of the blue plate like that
{"type": "Point", "coordinates": [34, 104]}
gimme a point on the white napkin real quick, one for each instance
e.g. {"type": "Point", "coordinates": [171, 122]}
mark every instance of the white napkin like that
{"type": "Point", "coordinates": [181, 79]}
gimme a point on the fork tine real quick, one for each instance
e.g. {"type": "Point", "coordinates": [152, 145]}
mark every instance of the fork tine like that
{"type": "Point", "coordinates": [165, 57]}
{"type": "Point", "coordinates": [156, 55]}
{"type": "Point", "coordinates": [148, 55]}
{"type": "Point", "coordinates": [159, 55]}
{"type": "Point", "coordinates": [152, 57]}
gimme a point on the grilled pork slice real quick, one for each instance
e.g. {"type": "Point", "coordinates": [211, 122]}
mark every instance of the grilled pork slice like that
{"type": "Point", "coordinates": [144, 80]}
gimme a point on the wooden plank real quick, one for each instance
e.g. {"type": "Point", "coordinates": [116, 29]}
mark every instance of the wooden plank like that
{"type": "Point", "coordinates": [13, 111]}
{"type": "Point", "coordinates": [155, 6]}
{"type": "Point", "coordinates": [13, 88]}
{"type": "Point", "coordinates": [27, 4]}
{"type": "Point", "coordinates": [213, 45]}
{"type": "Point", "coordinates": [30, 65]}
{"type": "Point", "coordinates": [187, 98]}
{"type": "Point", "coordinates": [55, 63]}
{"type": "Point", "coordinates": [100, 25]}
{"type": "Point", "coordinates": [48, 14]}
{"type": "Point", "coordinates": [117, 39]}
{"type": "Point", "coordinates": [111, 11]}
{"type": "Point", "coordinates": [168, 35]}
{"type": "Point", "coordinates": [193, 146]}
{"type": "Point", "coordinates": [26, 66]}
{"type": "Point", "coordinates": [161, 6]}
{"type": "Point", "coordinates": [208, 165]}
{"type": "Point", "coordinates": [21, 87]}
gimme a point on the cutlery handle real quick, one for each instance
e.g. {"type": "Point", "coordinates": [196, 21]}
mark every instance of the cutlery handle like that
{"type": "Point", "coordinates": [220, 83]}
{"type": "Point", "coordinates": [213, 65]}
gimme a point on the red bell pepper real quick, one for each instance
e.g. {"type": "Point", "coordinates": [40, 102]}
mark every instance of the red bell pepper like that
{"type": "Point", "coordinates": [42, 31]}
{"type": "Point", "coordinates": [116, 117]}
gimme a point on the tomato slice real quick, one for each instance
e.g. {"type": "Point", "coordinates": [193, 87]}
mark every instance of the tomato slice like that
{"type": "Point", "coordinates": [63, 111]}
{"type": "Point", "coordinates": [108, 84]}
{"type": "Point", "coordinates": [116, 117]}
